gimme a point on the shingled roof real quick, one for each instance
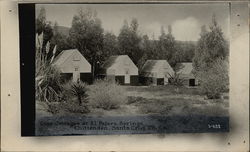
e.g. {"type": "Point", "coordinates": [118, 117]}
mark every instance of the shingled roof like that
{"type": "Point", "coordinates": [185, 69]}
{"type": "Point", "coordinates": [152, 65]}
{"type": "Point", "coordinates": [63, 56]}
{"type": "Point", "coordinates": [110, 61]}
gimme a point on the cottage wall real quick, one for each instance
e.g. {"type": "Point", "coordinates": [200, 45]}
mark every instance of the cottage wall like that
{"type": "Point", "coordinates": [122, 67]}
{"type": "Point", "coordinates": [70, 65]}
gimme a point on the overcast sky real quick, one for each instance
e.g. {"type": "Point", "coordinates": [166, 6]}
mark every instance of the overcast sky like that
{"type": "Point", "coordinates": [185, 19]}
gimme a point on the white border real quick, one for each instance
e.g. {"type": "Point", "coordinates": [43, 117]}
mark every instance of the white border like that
{"type": "Point", "coordinates": [11, 139]}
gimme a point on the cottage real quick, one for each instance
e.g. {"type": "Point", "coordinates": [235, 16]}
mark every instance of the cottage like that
{"type": "Point", "coordinates": [185, 72]}
{"type": "Point", "coordinates": [73, 65]}
{"type": "Point", "coordinates": [120, 68]}
{"type": "Point", "coordinates": [156, 72]}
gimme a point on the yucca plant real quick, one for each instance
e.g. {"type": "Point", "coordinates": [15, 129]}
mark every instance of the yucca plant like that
{"type": "Point", "coordinates": [78, 89]}
{"type": "Point", "coordinates": [175, 79]}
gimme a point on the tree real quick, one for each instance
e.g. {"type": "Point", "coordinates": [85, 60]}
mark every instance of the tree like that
{"type": "Point", "coordinates": [60, 40]}
{"type": "Point", "coordinates": [211, 46]}
{"type": "Point", "coordinates": [110, 45]}
{"type": "Point", "coordinates": [145, 46]}
{"type": "Point", "coordinates": [43, 26]}
{"type": "Point", "coordinates": [41, 21]}
{"type": "Point", "coordinates": [167, 46]}
{"type": "Point", "coordinates": [210, 60]}
{"type": "Point", "coordinates": [86, 34]}
{"type": "Point", "coordinates": [129, 41]}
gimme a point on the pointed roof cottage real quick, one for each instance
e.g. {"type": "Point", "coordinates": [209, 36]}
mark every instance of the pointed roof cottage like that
{"type": "Point", "coordinates": [122, 68]}
{"type": "Point", "coordinates": [73, 62]}
{"type": "Point", "coordinates": [185, 70]}
{"type": "Point", "coordinates": [157, 71]}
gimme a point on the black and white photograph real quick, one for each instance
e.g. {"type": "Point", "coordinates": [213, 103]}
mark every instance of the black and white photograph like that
{"type": "Point", "coordinates": [131, 68]}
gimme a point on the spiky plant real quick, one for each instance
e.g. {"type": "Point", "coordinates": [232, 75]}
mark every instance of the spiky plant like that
{"type": "Point", "coordinates": [175, 79]}
{"type": "Point", "coordinates": [79, 90]}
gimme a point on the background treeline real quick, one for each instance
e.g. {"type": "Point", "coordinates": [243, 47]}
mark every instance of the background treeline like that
{"type": "Point", "coordinates": [87, 35]}
{"type": "Point", "coordinates": [209, 54]}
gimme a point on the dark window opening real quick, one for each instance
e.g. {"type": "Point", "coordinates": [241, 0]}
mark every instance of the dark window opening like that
{"type": "Point", "coordinates": [191, 82]}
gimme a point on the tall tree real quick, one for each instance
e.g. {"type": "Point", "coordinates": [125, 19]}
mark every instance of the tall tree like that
{"type": "Point", "coordinates": [129, 40]}
{"type": "Point", "coordinates": [44, 26]}
{"type": "Point", "coordinates": [146, 48]}
{"type": "Point", "coordinates": [167, 46]}
{"type": "Point", "coordinates": [86, 34]}
{"type": "Point", "coordinates": [211, 46]}
{"type": "Point", "coordinates": [41, 21]}
{"type": "Point", "coordinates": [210, 61]}
{"type": "Point", "coordinates": [59, 40]}
{"type": "Point", "coordinates": [110, 45]}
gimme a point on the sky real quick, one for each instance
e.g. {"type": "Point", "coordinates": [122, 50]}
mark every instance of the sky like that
{"type": "Point", "coordinates": [186, 19]}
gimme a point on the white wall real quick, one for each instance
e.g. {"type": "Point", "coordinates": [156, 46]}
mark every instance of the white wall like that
{"type": "Point", "coordinates": [123, 63]}
{"type": "Point", "coordinates": [69, 65]}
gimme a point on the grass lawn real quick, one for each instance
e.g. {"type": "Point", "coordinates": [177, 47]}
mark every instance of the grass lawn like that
{"type": "Point", "coordinates": [178, 109]}
{"type": "Point", "coordinates": [171, 100]}
{"type": "Point", "coordinates": [163, 100]}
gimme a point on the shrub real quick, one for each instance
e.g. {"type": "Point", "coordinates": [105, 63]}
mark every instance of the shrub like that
{"type": "Point", "coordinates": [155, 108]}
{"type": "Point", "coordinates": [48, 86]}
{"type": "Point", "coordinates": [74, 107]}
{"type": "Point", "coordinates": [214, 80]}
{"type": "Point", "coordinates": [106, 95]}
{"type": "Point", "coordinates": [175, 79]}
{"type": "Point", "coordinates": [69, 106]}
{"type": "Point", "coordinates": [77, 89]}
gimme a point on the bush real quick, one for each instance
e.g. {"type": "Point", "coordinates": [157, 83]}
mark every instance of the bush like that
{"type": "Point", "coordinates": [175, 79]}
{"type": "Point", "coordinates": [48, 86]}
{"type": "Point", "coordinates": [106, 95]}
{"type": "Point", "coordinates": [74, 107]}
{"type": "Point", "coordinates": [215, 80]}
{"type": "Point", "coordinates": [77, 89]}
{"type": "Point", "coordinates": [70, 106]}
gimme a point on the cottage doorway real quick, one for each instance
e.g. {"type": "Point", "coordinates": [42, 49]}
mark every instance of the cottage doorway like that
{"type": "Point", "coordinates": [191, 82]}
{"type": "Point", "coordinates": [76, 74]}
{"type": "Point", "coordinates": [127, 76]}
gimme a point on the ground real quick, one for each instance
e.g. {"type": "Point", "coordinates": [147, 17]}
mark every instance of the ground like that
{"type": "Point", "coordinates": [169, 100]}
{"type": "Point", "coordinates": [181, 109]}
{"type": "Point", "coordinates": [164, 100]}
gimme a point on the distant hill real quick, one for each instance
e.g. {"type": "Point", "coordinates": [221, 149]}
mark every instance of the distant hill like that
{"type": "Point", "coordinates": [63, 30]}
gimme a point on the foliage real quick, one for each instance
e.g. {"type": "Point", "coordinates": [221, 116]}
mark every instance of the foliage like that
{"type": "Point", "coordinates": [129, 41]}
{"type": "Point", "coordinates": [167, 46]}
{"type": "Point", "coordinates": [215, 80]}
{"type": "Point", "coordinates": [146, 49]}
{"type": "Point", "coordinates": [60, 40]}
{"type": "Point", "coordinates": [110, 46]}
{"type": "Point", "coordinates": [44, 26]}
{"type": "Point", "coordinates": [69, 106]}
{"type": "Point", "coordinates": [86, 34]}
{"type": "Point", "coordinates": [48, 86]}
{"type": "Point", "coordinates": [211, 46]}
{"type": "Point", "coordinates": [210, 61]}
{"type": "Point", "coordinates": [106, 95]}
{"type": "Point", "coordinates": [77, 89]}
{"type": "Point", "coordinates": [175, 79]}
{"type": "Point", "coordinates": [184, 51]}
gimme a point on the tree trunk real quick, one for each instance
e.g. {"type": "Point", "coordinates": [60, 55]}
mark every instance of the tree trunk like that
{"type": "Point", "coordinates": [80, 100]}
